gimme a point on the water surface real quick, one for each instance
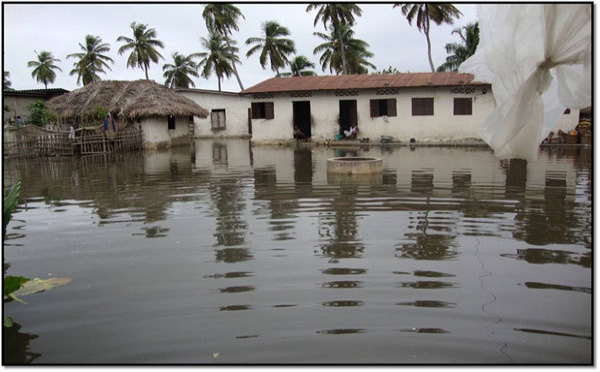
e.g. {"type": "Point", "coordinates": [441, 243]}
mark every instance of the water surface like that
{"type": "Point", "coordinates": [232, 253]}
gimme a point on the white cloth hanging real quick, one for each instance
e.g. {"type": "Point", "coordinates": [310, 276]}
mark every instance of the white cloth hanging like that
{"type": "Point", "coordinates": [538, 59]}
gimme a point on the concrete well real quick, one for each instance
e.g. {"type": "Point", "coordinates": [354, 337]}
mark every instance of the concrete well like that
{"type": "Point", "coordinates": [354, 165]}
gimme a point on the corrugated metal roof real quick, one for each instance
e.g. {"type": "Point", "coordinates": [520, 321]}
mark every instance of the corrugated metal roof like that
{"type": "Point", "coordinates": [374, 81]}
{"type": "Point", "coordinates": [44, 93]}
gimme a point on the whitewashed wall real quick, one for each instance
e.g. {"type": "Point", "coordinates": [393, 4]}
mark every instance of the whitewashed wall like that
{"type": "Point", "coordinates": [236, 113]}
{"type": "Point", "coordinates": [157, 135]}
{"type": "Point", "coordinates": [442, 126]}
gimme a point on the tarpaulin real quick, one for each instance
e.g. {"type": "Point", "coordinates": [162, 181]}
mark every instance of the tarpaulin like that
{"type": "Point", "coordinates": [537, 57]}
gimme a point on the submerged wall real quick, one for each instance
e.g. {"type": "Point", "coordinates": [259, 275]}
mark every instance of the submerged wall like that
{"type": "Point", "coordinates": [157, 134]}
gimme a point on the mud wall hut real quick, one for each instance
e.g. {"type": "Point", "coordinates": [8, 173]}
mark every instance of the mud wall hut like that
{"type": "Point", "coordinates": [162, 114]}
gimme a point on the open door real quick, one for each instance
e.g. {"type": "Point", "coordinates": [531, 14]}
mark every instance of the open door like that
{"type": "Point", "coordinates": [348, 115]}
{"type": "Point", "coordinates": [302, 117]}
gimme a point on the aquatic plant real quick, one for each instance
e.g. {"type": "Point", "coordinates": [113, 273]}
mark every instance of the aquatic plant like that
{"type": "Point", "coordinates": [17, 286]}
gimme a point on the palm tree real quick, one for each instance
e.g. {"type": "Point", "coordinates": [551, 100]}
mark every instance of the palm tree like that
{"type": "Point", "coordinates": [469, 35]}
{"type": "Point", "coordinates": [44, 67]}
{"type": "Point", "coordinates": [424, 13]}
{"type": "Point", "coordinates": [218, 56]}
{"type": "Point", "coordinates": [357, 55]}
{"type": "Point", "coordinates": [356, 51]}
{"type": "Point", "coordinates": [91, 61]}
{"type": "Point", "coordinates": [222, 18]}
{"type": "Point", "coordinates": [143, 47]}
{"type": "Point", "coordinates": [337, 15]}
{"type": "Point", "coordinates": [298, 66]}
{"type": "Point", "coordinates": [6, 81]}
{"type": "Point", "coordinates": [272, 45]}
{"type": "Point", "coordinates": [390, 70]}
{"type": "Point", "coordinates": [178, 73]}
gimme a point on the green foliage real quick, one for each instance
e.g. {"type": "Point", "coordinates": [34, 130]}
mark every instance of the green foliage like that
{"type": "Point", "coordinates": [94, 115]}
{"type": "Point", "coordinates": [40, 114]}
{"type": "Point", "coordinates": [11, 199]}
{"type": "Point", "coordinates": [389, 70]}
{"type": "Point", "coordinates": [43, 68]}
{"type": "Point", "coordinates": [12, 283]}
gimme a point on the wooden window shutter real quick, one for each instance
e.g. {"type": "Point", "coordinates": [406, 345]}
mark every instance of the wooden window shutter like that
{"type": "Point", "coordinates": [374, 108]}
{"type": "Point", "coordinates": [255, 110]}
{"type": "Point", "coordinates": [269, 110]}
{"type": "Point", "coordinates": [217, 118]}
{"type": "Point", "coordinates": [422, 106]}
{"type": "Point", "coordinates": [391, 107]}
{"type": "Point", "coordinates": [463, 106]}
{"type": "Point", "coordinates": [214, 118]}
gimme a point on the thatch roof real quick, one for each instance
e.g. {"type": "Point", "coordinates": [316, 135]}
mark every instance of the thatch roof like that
{"type": "Point", "coordinates": [128, 99]}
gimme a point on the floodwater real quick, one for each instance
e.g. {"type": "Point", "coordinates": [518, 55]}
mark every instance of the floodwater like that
{"type": "Point", "coordinates": [227, 253]}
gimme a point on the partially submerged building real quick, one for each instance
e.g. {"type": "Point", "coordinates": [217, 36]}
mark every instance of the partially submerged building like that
{"type": "Point", "coordinates": [229, 114]}
{"type": "Point", "coordinates": [441, 107]}
{"type": "Point", "coordinates": [163, 115]}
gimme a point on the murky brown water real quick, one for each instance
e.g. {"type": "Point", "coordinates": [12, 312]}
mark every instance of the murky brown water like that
{"type": "Point", "coordinates": [241, 254]}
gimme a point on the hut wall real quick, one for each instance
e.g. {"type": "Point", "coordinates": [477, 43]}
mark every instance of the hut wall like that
{"type": "Point", "coordinates": [158, 135]}
{"type": "Point", "coordinates": [234, 106]}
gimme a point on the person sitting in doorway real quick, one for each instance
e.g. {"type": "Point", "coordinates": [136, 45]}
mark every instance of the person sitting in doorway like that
{"type": "Point", "coordinates": [298, 134]}
{"type": "Point", "coordinates": [352, 132]}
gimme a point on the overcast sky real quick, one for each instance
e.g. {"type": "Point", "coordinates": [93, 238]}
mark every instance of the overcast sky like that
{"type": "Point", "coordinates": [60, 28]}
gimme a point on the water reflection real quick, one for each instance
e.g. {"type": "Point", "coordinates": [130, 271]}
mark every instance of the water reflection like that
{"type": "Point", "coordinates": [15, 346]}
{"type": "Point", "coordinates": [428, 303]}
{"type": "Point", "coordinates": [342, 284]}
{"type": "Point", "coordinates": [231, 255]}
{"type": "Point", "coordinates": [341, 331]}
{"type": "Point", "coordinates": [427, 284]}
{"type": "Point", "coordinates": [560, 287]}
{"type": "Point", "coordinates": [343, 271]}
{"type": "Point", "coordinates": [548, 256]}
{"type": "Point", "coordinates": [133, 187]}
{"type": "Point", "coordinates": [343, 303]}
{"type": "Point", "coordinates": [425, 330]}
{"type": "Point", "coordinates": [271, 218]}
{"type": "Point", "coordinates": [552, 333]}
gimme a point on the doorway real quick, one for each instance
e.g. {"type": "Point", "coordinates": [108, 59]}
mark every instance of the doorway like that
{"type": "Point", "coordinates": [348, 115]}
{"type": "Point", "coordinates": [302, 117]}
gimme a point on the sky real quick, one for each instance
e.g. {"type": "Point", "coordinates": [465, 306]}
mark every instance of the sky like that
{"type": "Point", "coordinates": [60, 28]}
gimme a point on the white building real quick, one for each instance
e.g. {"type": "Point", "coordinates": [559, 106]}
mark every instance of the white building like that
{"type": "Point", "coordinates": [229, 114]}
{"type": "Point", "coordinates": [441, 107]}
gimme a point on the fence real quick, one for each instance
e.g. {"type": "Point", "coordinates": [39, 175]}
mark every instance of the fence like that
{"type": "Point", "coordinates": [98, 143]}
{"type": "Point", "coordinates": [32, 142]}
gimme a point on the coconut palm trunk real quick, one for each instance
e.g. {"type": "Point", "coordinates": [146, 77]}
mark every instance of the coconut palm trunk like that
{"type": "Point", "coordinates": [235, 72]}
{"type": "Point", "coordinates": [426, 31]}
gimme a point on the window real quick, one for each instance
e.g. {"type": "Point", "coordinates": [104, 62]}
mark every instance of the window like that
{"type": "Point", "coordinates": [217, 119]}
{"type": "Point", "coordinates": [463, 106]}
{"type": "Point", "coordinates": [263, 110]}
{"type": "Point", "coordinates": [383, 107]}
{"type": "Point", "coordinates": [422, 106]}
{"type": "Point", "coordinates": [171, 122]}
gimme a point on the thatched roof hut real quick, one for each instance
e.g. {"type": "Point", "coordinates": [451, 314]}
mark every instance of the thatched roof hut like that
{"type": "Point", "coordinates": [125, 99]}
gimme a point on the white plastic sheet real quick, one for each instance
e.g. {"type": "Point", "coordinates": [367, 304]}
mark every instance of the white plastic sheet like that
{"type": "Point", "coordinates": [538, 59]}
